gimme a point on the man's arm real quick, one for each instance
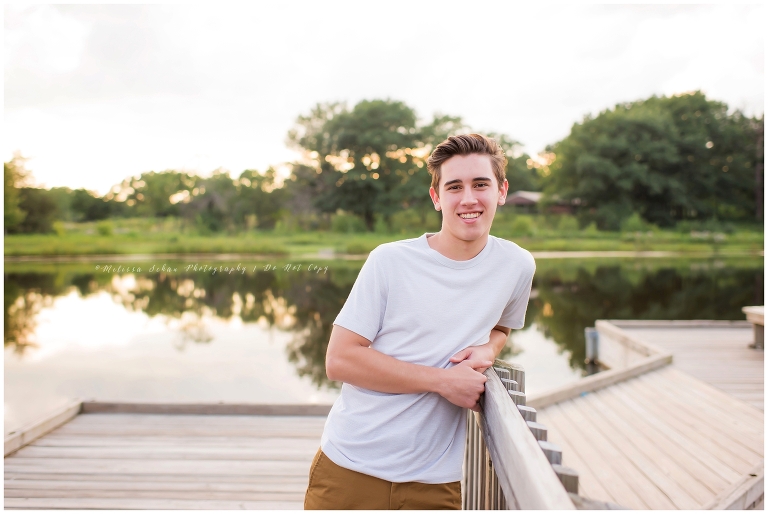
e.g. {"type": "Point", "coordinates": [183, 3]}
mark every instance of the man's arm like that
{"type": "Point", "coordinates": [349, 359]}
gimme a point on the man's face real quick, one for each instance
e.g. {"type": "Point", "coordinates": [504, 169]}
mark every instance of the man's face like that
{"type": "Point", "coordinates": [468, 196]}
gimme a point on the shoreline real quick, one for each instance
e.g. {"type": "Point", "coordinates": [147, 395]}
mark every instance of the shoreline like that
{"type": "Point", "coordinates": [329, 256]}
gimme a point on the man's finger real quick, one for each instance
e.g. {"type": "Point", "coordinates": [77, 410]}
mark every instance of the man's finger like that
{"type": "Point", "coordinates": [477, 364]}
{"type": "Point", "coordinates": [460, 356]}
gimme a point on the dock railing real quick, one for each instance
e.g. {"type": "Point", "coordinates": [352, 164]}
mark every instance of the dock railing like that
{"type": "Point", "coordinates": [509, 464]}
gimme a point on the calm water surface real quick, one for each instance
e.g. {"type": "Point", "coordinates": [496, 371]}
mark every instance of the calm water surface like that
{"type": "Point", "coordinates": [260, 336]}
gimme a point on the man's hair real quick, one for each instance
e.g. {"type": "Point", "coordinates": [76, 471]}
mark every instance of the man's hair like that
{"type": "Point", "coordinates": [467, 144]}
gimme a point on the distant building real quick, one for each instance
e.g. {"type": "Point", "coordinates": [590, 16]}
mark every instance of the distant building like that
{"type": "Point", "coordinates": [528, 201]}
{"type": "Point", "coordinates": [524, 198]}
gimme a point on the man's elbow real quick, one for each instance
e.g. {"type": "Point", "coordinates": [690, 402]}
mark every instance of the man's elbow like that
{"type": "Point", "coordinates": [334, 367]}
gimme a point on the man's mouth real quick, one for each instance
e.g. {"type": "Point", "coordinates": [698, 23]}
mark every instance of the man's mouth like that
{"type": "Point", "coordinates": [469, 215]}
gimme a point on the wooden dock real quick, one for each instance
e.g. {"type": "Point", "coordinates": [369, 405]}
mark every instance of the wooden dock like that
{"type": "Point", "coordinates": [136, 456]}
{"type": "Point", "coordinates": [677, 436]}
{"type": "Point", "coordinates": [676, 423]}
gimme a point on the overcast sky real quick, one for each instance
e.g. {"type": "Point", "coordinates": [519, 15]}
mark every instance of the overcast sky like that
{"type": "Point", "coordinates": [94, 94]}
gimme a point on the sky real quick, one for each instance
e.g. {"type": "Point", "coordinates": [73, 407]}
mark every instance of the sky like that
{"type": "Point", "coordinates": [98, 93]}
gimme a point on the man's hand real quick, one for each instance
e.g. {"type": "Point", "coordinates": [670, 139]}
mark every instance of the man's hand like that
{"type": "Point", "coordinates": [484, 352]}
{"type": "Point", "coordinates": [463, 384]}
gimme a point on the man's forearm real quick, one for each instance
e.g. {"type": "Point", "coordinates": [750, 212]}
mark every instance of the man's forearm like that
{"type": "Point", "coordinates": [498, 339]}
{"type": "Point", "coordinates": [371, 369]}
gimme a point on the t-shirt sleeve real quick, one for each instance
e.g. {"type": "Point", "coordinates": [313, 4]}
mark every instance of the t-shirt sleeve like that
{"type": "Point", "coordinates": [514, 312]}
{"type": "Point", "coordinates": [363, 312]}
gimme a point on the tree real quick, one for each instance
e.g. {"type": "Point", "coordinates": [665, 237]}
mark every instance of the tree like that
{"type": "Point", "coordinates": [88, 206]}
{"type": "Point", "coordinates": [14, 176]}
{"type": "Point", "coordinates": [210, 206]}
{"type": "Point", "coordinates": [520, 172]}
{"type": "Point", "coordinates": [666, 158]}
{"type": "Point", "coordinates": [40, 211]}
{"type": "Point", "coordinates": [156, 194]}
{"type": "Point", "coordinates": [369, 160]}
{"type": "Point", "coordinates": [258, 195]}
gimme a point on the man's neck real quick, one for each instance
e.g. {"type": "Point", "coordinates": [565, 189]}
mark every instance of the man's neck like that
{"type": "Point", "coordinates": [456, 249]}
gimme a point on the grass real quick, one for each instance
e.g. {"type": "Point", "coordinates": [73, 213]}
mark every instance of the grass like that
{"type": "Point", "coordinates": [148, 236]}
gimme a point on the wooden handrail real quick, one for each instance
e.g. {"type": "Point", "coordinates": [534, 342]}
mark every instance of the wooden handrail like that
{"type": "Point", "coordinates": [524, 473]}
{"type": "Point", "coordinates": [505, 466]}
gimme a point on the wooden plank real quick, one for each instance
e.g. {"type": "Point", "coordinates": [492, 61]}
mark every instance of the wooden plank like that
{"type": "Point", "coordinates": [680, 430]}
{"type": "Point", "coordinates": [638, 472]}
{"type": "Point", "coordinates": [281, 453]}
{"type": "Point", "coordinates": [525, 476]}
{"type": "Point", "coordinates": [185, 467]}
{"type": "Point", "coordinates": [291, 496]}
{"type": "Point", "coordinates": [714, 395]}
{"type": "Point", "coordinates": [38, 428]}
{"type": "Point", "coordinates": [615, 333]}
{"type": "Point", "coordinates": [150, 477]}
{"type": "Point", "coordinates": [232, 431]}
{"type": "Point", "coordinates": [692, 323]}
{"type": "Point", "coordinates": [678, 475]}
{"type": "Point", "coordinates": [52, 440]}
{"type": "Point", "coordinates": [746, 431]}
{"type": "Point", "coordinates": [195, 419]}
{"type": "Point", "coordinates": [146, 504]}
{"type": "Point", "coordinates": [208, 408]}
{"type": "Point", "coordinates": [611, 476]}
{"type": "Point", "coordinates": [707, 410]}
{"type": "Point", "coordinates": [743, 493]}
{"type": "Point", "coordinates": [589, 485]}
{"type": "Point", "coordinates": [658, 428]}
{"type": "Point", "coordinates": [134, 485]}
{"type": "Point", "coordinates": [598, 381]}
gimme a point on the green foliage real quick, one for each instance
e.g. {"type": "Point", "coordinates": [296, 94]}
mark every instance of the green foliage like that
{"type": "Point", "coordinates": [567, 224]}
{"type": "Point", "coordinates": [591, 229]}
{"type": "Point", "coordinates": [344, 223]}
{"type": "Point", "coordinates": [415, 221]}
{"type": "Point", "coordinates": [523, 226]}
{"type": "Point", "coordinates": [39, 209]}
{"type": "Point", "coordinates": [370, 160]}
{"type": "Point", "coordinates": [105, 228]}
{"type": "Point", "coordinates": [634, 223]}
{"type": "Point", "coordinates": [14, 175]}
{"type": "Point", "coordinates": [88, 206]}
{"type": "Point", "coordinates": [668, 159]}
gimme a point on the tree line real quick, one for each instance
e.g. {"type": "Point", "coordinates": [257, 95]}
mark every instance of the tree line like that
{"type": "Point", "coordinates": [666, 159]}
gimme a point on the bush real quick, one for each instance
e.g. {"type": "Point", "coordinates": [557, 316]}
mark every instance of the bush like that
{"type": "Point", "coordinates": [523, 226]}
{"type": "Point", "coordinates": [104, 228]}
{"type": "Point", "coordinates": [634, 223]}
{"type": "Point", "coordinates": [567, 224]}
{"type": "Point", "coordinates": [411, 220]}
{"type": "Point", "coordinates": [591, 229]}
{"type": "Point", "coordinates": [347, 224]}
{"type": "Point", "coordinates": [358, 248]}
{"type": "Point", "coordinates": [59, 228]}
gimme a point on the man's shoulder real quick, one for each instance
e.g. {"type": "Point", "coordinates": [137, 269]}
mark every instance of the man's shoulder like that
{"type": "Point", "coordinates": [511, 251]}
{"type": "Point", "coordinates": [395, 249]}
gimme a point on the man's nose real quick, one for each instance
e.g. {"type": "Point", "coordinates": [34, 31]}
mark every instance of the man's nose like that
{"type": "Point", "coordinates": [468, 198]}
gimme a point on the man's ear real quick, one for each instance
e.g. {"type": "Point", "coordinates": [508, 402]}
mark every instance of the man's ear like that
{"type": "Point", "coordinates": [435, 198]}
{"type": "Point", "coordinates": [503, 192]}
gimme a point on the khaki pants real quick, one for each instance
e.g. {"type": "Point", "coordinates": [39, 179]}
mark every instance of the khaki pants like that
{"type": "Point", "coordinates": [332, 487]}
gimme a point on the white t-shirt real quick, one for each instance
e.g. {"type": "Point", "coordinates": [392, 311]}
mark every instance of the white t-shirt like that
{"type": "Point", "coordinates": [419, 306]}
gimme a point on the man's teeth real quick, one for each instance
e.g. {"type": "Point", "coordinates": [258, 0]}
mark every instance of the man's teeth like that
{"type": "Point", "coordinates": [470, 215]}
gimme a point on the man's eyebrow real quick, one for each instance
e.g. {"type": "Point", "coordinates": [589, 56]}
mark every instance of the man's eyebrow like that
{"type": "Point", "coordinates": [458, 181]}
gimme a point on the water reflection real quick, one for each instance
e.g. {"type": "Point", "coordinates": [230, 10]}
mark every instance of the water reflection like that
{"type": "Point", "coordinates": [568, 297]}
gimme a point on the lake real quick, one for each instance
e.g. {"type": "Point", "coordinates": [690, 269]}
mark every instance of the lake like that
{"type": "Point", "coordinates": [257, 331]}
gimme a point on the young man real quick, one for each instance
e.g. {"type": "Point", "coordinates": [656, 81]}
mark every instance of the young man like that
{"type": "Point", "coordinates": [424, 319]}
